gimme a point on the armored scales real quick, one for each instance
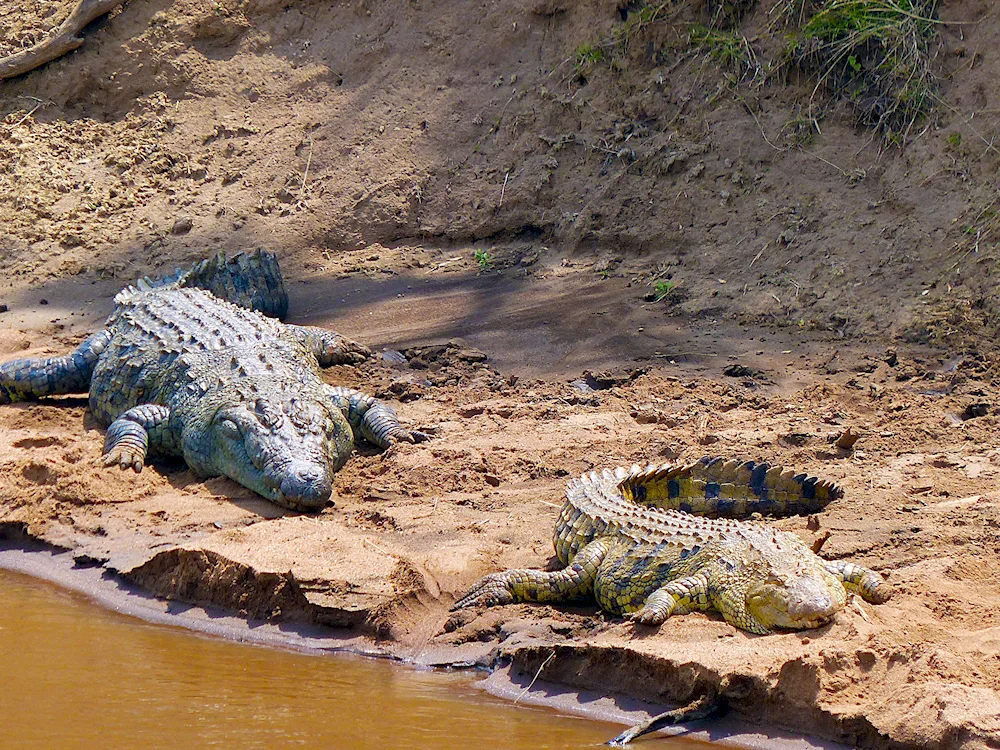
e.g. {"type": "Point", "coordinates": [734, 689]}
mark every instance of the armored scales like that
{"type": "Point", "coordinates": [181, 371]}
{"type": "Point", "coordinates": [632, 540]}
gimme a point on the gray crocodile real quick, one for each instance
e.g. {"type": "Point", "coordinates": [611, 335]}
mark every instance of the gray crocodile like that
{"type": "Point", "coordinates": [189, 365]}
{"type": "Point", "coordinates": [637, 542]}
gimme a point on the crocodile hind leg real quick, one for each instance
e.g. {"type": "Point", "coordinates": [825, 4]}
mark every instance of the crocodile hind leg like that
{"type": "Point", "coordinates": [575, 581]}
{"type": "Point", "coordinates": [374, 420]}
{"type": "Point", "coordinates": [27, 379]}
{"type": "Point", "coordinates": [330, 347]}
{"type": "Point", "coordinates": [128, 438]}
{"type": "Point", "coordinates": [865, 582]}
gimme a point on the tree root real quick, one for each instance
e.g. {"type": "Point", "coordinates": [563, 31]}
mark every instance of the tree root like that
{"type": "Point", "coordinates": [701, 708]}
{"type": "Point", "coordinates": [65, 39]}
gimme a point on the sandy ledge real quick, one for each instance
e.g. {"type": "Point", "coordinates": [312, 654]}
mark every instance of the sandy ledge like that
{"type": "Point", "coordinates": [438, 178]}
{"type": "Point", "coordinates": [26, 556]}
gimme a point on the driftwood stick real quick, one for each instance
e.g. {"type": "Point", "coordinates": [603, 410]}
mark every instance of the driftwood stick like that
{"type": "Point", "coordinates": [65, 39]}
{"type": "Point", "coordinates": [701, 708]}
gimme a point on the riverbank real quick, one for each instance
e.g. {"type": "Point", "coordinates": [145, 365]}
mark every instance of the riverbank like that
{"type": "Point", "coordinates": [412, 529]}
{"type": "Point", "coordinates": [21, 555]}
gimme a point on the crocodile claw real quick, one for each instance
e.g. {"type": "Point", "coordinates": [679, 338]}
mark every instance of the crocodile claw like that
{"type": "Point", "coordinates": [125, 459]}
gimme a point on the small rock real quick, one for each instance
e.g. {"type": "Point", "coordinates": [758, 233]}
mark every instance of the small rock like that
{"type": "Point", "coordinates": [471, 411]}
{"type": "Point", "coordinates": [669, 452]}
{"type": "Point", "coordinates": [3, 308]}
{"type": "Point", "coordinates": [847, 440]}
{"type": "Point", "coordinates": [182, 226]}
{"type": "Point", "coordinates": [70, 239]}
{"type": "Point", "coordinates": [492, 480]}
{"type": "Point", "coordinates": [407, 390]}
{"type": "Point", "coordinates": [43, 302]}
{"type": "Point", "coordinates": [608, 263]}
{"type": "Point", "coordinates": [796, 439]}
{"type": "Point", "coordinates": [471, 355]}
{"type": "Point", "coordinates": [737, 371]}
{"type": "Point", "coordinates": [83, 560]}
{"type": "Point", "coordinates": [392, 358]}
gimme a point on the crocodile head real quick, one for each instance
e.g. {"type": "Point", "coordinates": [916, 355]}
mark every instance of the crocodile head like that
{"type": "Point", "coordinates": [286, 451]}
{"type": "Point", "coordinates": [800, 598]}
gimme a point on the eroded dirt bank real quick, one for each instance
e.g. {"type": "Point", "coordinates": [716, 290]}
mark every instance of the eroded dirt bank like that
{"type": "Point", "coordinates": [570, 259]}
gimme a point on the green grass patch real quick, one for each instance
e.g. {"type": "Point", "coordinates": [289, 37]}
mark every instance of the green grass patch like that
{"type": "Point", "coordinates": [587, 55]}
{"type": "Point", "coordinates": [662, 290]}
{"type": "Point", "coordinates": [730, 49]}
{"type": "Point", "coordinates": [873, 53]}
{"type": "Point", "coordinates": [483, 258]}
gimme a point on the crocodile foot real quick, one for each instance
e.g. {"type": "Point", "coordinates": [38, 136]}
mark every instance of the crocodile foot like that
{"type": "Point", "coordinates": [491, 591]}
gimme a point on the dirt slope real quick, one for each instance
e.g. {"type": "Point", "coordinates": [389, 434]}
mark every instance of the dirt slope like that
{"type": "Point", "coordinates": [433, 171]}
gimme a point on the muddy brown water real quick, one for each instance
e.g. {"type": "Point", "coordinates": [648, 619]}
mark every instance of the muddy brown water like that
{"type": "Point", "coordinates": [79, 676]}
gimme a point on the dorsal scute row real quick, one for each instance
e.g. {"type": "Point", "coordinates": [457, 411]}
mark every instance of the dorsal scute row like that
{"type": "Point", "coordinates": [193, 317]}
{"type": "Point", "coordinates": [730, 488]}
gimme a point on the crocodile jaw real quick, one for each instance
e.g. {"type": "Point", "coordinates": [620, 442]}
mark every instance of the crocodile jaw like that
{"type": "Point", "coordinates": [808, 599]}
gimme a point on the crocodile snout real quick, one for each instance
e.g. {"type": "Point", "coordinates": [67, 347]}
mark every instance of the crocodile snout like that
{"type": "Point", "coordinates": [813, 600]}
{"type": "Point", "coordinates": [305, 486]}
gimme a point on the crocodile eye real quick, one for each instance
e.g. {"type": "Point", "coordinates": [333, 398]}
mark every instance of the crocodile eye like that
{"type": "Point", "coordinates": [230, 428]}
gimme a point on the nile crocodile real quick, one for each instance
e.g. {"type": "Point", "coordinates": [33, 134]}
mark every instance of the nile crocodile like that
{"type": "Point", "coordinates": [631, 540]}
{"type": "Point", "coordinates": [179, 370]}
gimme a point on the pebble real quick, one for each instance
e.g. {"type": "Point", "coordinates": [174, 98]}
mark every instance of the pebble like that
{"type": "Point", "coordinates": [182, 226]}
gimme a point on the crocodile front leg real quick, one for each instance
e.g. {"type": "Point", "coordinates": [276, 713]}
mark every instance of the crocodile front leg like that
{"type": "Point", "coordinates": [374, 420]}
{"type": "Point", "coordinates": [28, 379]}
{"type": "Point", "coordinates": [678, 597]}
{"type": "Point", "coordinates": [329, 347]}
{"type": "Point", "coordinates": [575, 581]}
{"type": "Point", "coordinates": [128, 438]}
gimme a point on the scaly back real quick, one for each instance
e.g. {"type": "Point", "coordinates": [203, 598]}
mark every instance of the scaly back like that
{"type": "Point", "coordinates": [661, 503]}
{"type": "Point", "coordinates": [716, 487]}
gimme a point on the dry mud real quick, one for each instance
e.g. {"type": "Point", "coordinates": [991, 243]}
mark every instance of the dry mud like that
{"type": "Point", "coordinates": [378, 147]}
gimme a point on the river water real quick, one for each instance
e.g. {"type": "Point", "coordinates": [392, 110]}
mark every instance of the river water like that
{"type": "Point", "coordinates": [78, 676]}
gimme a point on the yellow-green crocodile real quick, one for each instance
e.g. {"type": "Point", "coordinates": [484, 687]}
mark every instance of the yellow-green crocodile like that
{"type": "Point", "coordinates": [631, 539]}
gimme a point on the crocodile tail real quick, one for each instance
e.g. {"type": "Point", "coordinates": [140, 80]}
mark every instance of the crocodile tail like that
{"type": "Point", "coordinates": [250, 280]}
{"type": "Point", "coordinates": [583, 516]}
{"type": "Point", "coordinates": [717, 487]}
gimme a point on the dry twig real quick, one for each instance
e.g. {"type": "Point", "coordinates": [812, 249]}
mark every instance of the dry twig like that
{"type": "Point", "coordinates": [65, 39]}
